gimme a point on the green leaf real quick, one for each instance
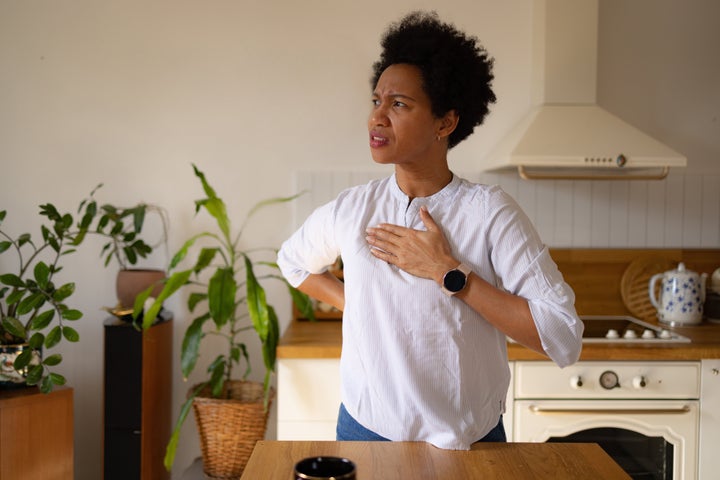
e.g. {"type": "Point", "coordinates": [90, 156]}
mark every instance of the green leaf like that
{"type": "Point", "coordinates": [23, 239]}
{"type": "Point", "coordinates": [11, 280]}
{"type": "Point", "coordinates": [52, 360]}
{"type": "Point", "coordinates": [269, 345]}
{"type": "Point", "coordinates": [15, 296]}
{"type": "Point", "coordinates": [64, 292]}
{"type": "Point", "coordinates": [191, 345]}
{"type": "Point", "coordinates": [57, 379]}
{"type": "Point", "coordinates": [172, 284]}
{"type": "Point", "coordinates": [4, 246]}
{"type": "Point", "coordinates": [175, 437]}
{"type": "Point", "coordinates": [34, 375]}
{"type": "Point", "coordinates": [42, 320]}
{"type": "Point", "coordinates": [23, 360]}
{"type": "Point", "coordinates": [70, 334]}
{"type": "Point", "coordinates": [30, 303]}
{"type": "Point", "coordinates": [182, 253]}
{"type": "Point", "coordinates": [271, 201]}
{"type": "Point", "coordinates": [303, 303]}
{"type": "Point", "coordinates": [138, 217]}
{"type": "Point", "coordinates": [221, 296]}
{"type": "Point", "coordinates": [42, 274]}
{"type": "Point", "coordinates": [217, 373]}
{"type": "Point", "coordinates": [46, 385]}
{"type": "Point", "coordinates": [53, 338]}
{"type": "Point", "coordinates": [256, 302]}
{"type": "Point", "coordinates": [213, 204]}
{"type": "Point", "coordinates": [14, 327]}
{"type": "Point", "coordinates": [72, 314]}
{"type": "Point", "coordinates": [36, 341]}
{"type": "Point", "coordinates": [2, 215]}
{"type": "Point", "coordinates": [205, 258]}
{"type": "Point", "coordinates": [194, 299]}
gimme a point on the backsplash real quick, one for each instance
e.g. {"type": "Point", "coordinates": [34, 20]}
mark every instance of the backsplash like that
{"type": "Point", "coordinates": [680, 211]}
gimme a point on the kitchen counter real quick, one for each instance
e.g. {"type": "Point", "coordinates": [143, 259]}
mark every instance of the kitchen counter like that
{"type": "Point", "coordinates": [323, 339]}
{"type": "Point", "coordinates": [418, 460]}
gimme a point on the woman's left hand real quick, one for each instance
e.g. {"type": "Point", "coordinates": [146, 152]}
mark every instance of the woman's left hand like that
{"type": "Point", "coordinates": [423, 253]}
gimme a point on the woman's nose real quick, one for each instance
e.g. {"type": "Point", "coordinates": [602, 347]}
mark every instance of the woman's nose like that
{"type": "Point", "coordinates": [378, 116]}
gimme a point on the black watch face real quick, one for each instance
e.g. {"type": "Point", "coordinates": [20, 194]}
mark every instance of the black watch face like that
{"type": "Point", "coordinates": [454, 280]}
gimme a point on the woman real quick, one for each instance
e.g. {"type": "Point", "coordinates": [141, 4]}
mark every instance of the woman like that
{"type": "Point", "coordinates": [437, 270]}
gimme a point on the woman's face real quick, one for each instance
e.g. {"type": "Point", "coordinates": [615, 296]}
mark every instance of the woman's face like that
{"type": "Point", "coordinates": [402, 127]}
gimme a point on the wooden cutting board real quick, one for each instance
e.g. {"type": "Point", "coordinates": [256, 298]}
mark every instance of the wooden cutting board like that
{"type": "Point", "coordinates": [634, 284]}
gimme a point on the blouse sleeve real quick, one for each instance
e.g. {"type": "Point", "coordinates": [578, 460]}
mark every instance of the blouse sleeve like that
{"type": "Point", "coordinates": [525, 268]}
{"type": "Point", "coordinates": [312, 248]}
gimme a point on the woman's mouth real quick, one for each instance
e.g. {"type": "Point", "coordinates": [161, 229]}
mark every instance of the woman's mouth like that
{"type": "Point", "coordinates": [377, 140]}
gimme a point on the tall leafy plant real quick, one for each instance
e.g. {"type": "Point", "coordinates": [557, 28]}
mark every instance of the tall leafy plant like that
{"type": "Point", "coordinates": [228, 299]}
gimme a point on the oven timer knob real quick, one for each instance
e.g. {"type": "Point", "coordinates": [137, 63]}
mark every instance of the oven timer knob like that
{"type": "Point", "coordinates": [576, 382]}
{"type": "Point", "coordinates": [639, 382]}
{"type": "Point", "coordinates": [609, 380]}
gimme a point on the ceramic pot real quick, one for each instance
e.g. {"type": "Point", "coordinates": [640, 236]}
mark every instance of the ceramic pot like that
{"type": "Point", "coordinates": [682, 294]}
{"type": "Point", "coordinates": [9, 377]}
{"type": "Point", "coordinates": [132, 281]}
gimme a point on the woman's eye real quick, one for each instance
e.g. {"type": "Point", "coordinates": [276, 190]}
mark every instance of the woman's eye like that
{"type": "Point", "coordinates": [399, 104]}
{"type": "Point", "coordinates": [375, 102]}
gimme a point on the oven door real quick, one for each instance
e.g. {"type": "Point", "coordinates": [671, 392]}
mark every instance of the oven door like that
{"type": "Point", "coordinates": [649, 439]}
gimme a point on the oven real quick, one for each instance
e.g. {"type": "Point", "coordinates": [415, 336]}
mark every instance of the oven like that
{"type": "Point", "coordinates": [643, 414]}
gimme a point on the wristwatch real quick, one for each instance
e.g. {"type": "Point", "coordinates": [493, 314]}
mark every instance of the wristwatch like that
{"type": "Point", "coordinates": [455, 280]}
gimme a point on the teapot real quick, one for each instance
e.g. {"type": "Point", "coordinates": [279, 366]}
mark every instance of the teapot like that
{"type": "Point", "coordinates": [682, 295]}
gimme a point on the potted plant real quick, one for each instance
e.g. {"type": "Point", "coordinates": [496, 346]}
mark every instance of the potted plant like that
{"type": "Point", "coordinates": [121, 227]}
{"type": "Point", "coordinates": [34, 314]}
{"type": "Point", "coordinates": [229, 301]}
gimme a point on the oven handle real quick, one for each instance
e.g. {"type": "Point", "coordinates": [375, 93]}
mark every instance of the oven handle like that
{"type": "Point", "coordinates": [624, 411]}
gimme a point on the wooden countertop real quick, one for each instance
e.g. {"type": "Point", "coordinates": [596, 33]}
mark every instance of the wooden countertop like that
{"type": "Point", "coordinates": [417, 460]}
{"type": "Point", "coordinates": [595, 275]}
{"type": "Point", "coordinates": [323, 339]}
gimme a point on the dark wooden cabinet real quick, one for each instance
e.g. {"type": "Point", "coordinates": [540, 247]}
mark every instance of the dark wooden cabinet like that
{"type": "Point", "coordinates": [138, 399]}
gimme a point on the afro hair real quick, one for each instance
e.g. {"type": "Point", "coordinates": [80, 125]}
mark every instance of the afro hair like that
{"type": "Point", "coordinates": [456, 69]}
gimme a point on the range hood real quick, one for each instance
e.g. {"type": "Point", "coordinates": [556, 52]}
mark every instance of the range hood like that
{"type": "Point", "coordinates": [566, 135]}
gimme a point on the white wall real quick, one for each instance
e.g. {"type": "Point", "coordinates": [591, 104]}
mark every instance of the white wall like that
{"type": "Point", "coordinates": [129, 93]}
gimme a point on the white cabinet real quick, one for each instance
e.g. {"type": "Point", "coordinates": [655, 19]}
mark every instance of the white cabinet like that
{"type": "Point", "coordinates": [709, 461]}
{"type": "Point", "coordinates": [308, 398]}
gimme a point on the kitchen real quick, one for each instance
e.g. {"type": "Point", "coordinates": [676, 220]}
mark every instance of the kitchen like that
{"type": "Point", "coordinates": [152, 112]}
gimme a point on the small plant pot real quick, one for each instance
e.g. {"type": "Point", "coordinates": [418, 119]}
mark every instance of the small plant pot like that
{"type": "Point", "coordinates": [132, 281]}
{"type": "Point", "coordinates": [9, 377]}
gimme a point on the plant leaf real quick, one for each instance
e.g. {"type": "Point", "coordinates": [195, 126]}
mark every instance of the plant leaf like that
{"type": "Point", "coordinates": [175, 437]}
{"type": "Point", "coordinates": [64, 292]}
{"type": "Point", "coordinates": [34, 375]}
{"type": "Point", "coordinates": [191, 345]}
{"type": "Point", "coordinates": [221, 296]}
{"type": "Point", "coordinates": [194, 299]}
{"type": "Point", "coordinates": [12, 280]}
{"type": "Point", "coordinates": [36, 341]}
{"type": "Point", "coordinates": [53, 337]}
{"type": "Point", "coordinates": [256, 302]}
{"type": "Point", "coordinates": [4, 246]}
{"type": "Point", "coordinates": [30, 303]}
{"type": "Point", "coordinates": [23, 360]}
{"type": "Point", "coordinates": [13, 326]}
{"type": "Point", "coordinates": [172, 284]}
{"type": "Point", "coordinates": [52, 360]}
{"type": "Point", "coordinates": [70, 334]}
{"type": "Point", "coordinates": [42, 274]}
{"type": "Point", "coordinates": [72, 314]}
{"type": "Point", "coordinates": [42, 320]}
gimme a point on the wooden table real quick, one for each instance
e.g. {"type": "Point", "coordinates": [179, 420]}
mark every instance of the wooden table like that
{"type": "Point", "coordinates": [417, 460]}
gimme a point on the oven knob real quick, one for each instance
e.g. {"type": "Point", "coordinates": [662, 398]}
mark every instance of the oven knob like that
{"type": "Point", "coordinates": [609, 380]}
{"type": "Point", "coordinates": [576, 382]}
{"type": "Point", "coordinates": [647, 333]}
{"type": "Point", "coordinates": [630, 334]}
{"type": "Point", "coordinates": [639, 382]}
{"type": "Point", "coordinates": [612, 333]}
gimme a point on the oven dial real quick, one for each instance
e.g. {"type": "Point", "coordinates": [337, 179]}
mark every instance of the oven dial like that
{"type": "Point", "coordinates": [639, 382]}
{"type": "Point", "coordinates": [576, 382]}
{"type": "Point", "coordinates": [609, 380]}
{"type": "Point", "coordinates": [647, 333]}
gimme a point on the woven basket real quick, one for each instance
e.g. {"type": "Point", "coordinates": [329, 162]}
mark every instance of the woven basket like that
{"type": "Point", "coordinates": [230, 426]}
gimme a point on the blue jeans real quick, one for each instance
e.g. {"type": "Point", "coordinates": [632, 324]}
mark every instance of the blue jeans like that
{"type": "Point", "coordinates": [349, 429]}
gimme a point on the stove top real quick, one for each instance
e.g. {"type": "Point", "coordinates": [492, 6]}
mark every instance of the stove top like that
{"type": "Point", "coordinates": [625, 329]}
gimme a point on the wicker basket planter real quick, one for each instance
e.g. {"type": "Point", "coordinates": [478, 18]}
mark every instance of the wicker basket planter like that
{"type": "Point", "coordinates": [229, 427]}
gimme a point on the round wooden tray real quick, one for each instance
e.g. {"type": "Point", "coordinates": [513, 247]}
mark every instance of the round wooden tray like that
{"type": "Point", "coordinates": [635, 282]}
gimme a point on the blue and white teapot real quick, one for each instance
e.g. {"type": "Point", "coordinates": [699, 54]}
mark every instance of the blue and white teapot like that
{"type": "Point", "coordinates": [682, 295]}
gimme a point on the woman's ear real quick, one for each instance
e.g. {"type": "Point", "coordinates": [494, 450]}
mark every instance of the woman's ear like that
{"type": "Point", "coordinates": [448, 123]}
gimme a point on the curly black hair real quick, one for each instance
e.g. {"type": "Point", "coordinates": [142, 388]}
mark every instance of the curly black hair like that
{"type": "Point", "coordinates": [456, 69]}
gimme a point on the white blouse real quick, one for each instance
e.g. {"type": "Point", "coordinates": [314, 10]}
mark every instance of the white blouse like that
{"type": "Point", "coordinates": [416, 364]}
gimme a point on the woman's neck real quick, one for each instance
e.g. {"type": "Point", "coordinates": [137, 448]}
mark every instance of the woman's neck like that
{"type": "Point", "coordinates": [422, 182]}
